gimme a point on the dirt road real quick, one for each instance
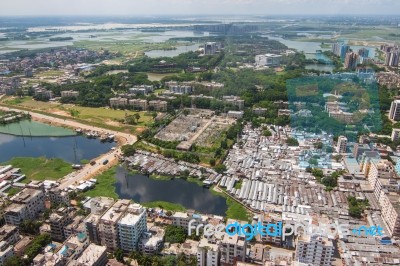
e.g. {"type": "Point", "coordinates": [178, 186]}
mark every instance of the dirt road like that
{"type": "Point", "coordinates": [88, 171]}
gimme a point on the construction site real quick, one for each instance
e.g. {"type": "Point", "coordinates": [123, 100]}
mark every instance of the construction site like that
{"type": "Point", "coordinates": [195, 126]}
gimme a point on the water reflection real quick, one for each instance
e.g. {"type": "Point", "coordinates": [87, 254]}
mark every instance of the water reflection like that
{"type": "Point", "coordinates": [190, 195]}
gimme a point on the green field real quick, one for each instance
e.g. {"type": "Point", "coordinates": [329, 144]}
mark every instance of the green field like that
{"type": "Point", "coordinates": [102, 117]}
{"type": "Point", "coordinates": [41, 168]}
{"type": "Point", "coordinates": [105, 186]}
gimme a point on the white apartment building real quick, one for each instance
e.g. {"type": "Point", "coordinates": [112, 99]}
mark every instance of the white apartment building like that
{"type": "Point", "coordinates": [158, 105]}
{"type": "Point", "coordinates": [93, 255]}
{"type": "Point", "coordinates": [268, 60]}
{"type": "Point", "coordinates": [235, 114]}
{"type": "Point", "coordinates": [9, 234]}
{"type": "Point", "coordinates": [152, 241]}
{"type": "Point", "coordinates": [390, 212]}
{"type": "Point", "coordinates": [341, 146]}
{"type": "Point", "coordinates": [6, 251]}
{"type": "Point", "coordinates": [108, 224]}
{"type": "Point", "coordinates": [234, 100]}
{"type": "Point", "coordinates": [118, 102]}
{"type": "Point", "coordinates": [69, 93]}
{"type": "Point", "coordinates": [382, 169]}
{"type": "Point", "coordinates": [314, 250]}
{"type": "Point", "coordinates": [98, 206]}
{"type": "Point", "coordinates": [232, 248]}
{"type": "Point", "coordinates": [26, 204]}
{"type": "Point", "coordinates": [138, 104]}
{"type": "Point", "coordinates": [207, 253]}
{"type": "Point", "coordinates": [182, 219]}
{"type": "Point", "coordinates": [131, 227]}
{"type": "Point", "coordinates": [394, 112]}
{"type": "Point", "coordinates": [395, 134]}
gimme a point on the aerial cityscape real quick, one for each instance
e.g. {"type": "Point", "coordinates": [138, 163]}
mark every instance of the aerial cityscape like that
{"type": "Point", "coordinates": [201, 133]}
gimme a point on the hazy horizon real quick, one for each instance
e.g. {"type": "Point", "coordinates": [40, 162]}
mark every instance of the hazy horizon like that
{"type": "Point", "coordinates": [198, 7]}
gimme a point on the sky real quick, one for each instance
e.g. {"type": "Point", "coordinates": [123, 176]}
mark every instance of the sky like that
{"type": "Point", "coordinates": [196, 7]}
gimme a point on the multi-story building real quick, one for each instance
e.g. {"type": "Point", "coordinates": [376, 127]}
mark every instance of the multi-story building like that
{"type": "Point", "coordinates": [138, 104]}
{"type": "Point", "coordinates": [234, 100]}
{"type": "Point", "coordinates": [77, 226]}
{"type": "Point", "coordinates": [182, 219]}
{"type": "Point", "coordinates": [131, 227]}
{"type": "Point", "coordinates": [340, 49]}
{"type": "Point", "coordinates": [58, 220]}
{"type": "Point", "coordinates": [141, 90]}
{"type": "Point", "coordinates": [93, 255]}
{"type": "Point", "coordinates": [40, 92]}
{"type": "Point", "coordinates": [341, 146]}
{"type": "Point", "coordinates": [57, 196]}
{"type": "Point", "coordinates": [233, 249]}
{"type": "Point", "coordinates": [235, 114]}
{"type": "Point", "coordinates": [6, 251]}
{"type": "Point", "coordinates": [382, 169]}
{"type": "Point", "coordinates": [390, 211]}
{"type": "Point", "coordinates": [260, 111]}
{"type": "Point", "coordinates": [314, 250]}
{"type": "Point", "coordinates": [210, 48]}
{"type": "Point", "coordinates": [98, 206]}
{"type": "Point", "coordinates": [108, 226]}
{"type": "Point", "coordinates": [9, 234]}
{"type": "Point", "coordinates": [158, 105]}
{"type": "Point", "coordinates": [152, 241]}
{"type": "Point", "coordinates": [359, 149]}
{"type": "Point", "coordinates": [395, 134]}
{"type": "Point", "coordinates": [70, 93]}
{"type": "Point", "coordinates": [26, 204]}
{"type": "Point", "coordinates": [118, 102]}
{"type": "Point", "coordinates": [181, 89]}
{"type": "Point", "coordinates": [207, 253]}
{"type": "Point", "coordinates": [73, 247]}
{"type": "Point", "coordinates": [350, 61]}
{"type": "Point", "coordinates": [363, 52]}
{"type": "Point", "coordinates": [273, 60]}
{"type": "Point", "coordinates": [392, 58]}
{"type": "Point", "coordinates": [394, 113]}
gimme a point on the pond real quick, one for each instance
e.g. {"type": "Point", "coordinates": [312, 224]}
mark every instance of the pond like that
{"type": "Point", "coordinates": [143, 189]}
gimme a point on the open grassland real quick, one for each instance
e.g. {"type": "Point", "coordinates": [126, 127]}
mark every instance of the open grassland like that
{"type": "Point", "coordinates": [105, 186]}
{"type": "Point", "coordinates": [41, 168]}
{"type": "Point", "coordinates": [100, 116]}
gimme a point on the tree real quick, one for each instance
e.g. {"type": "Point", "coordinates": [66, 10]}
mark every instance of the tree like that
{"type": "Point", "coordinates": [292, 142]}
{"type": "Point", "coordinates": [119, 255]}
{"type": "Point", "coordinates": [168, 213]}
{"type": "Point", "coordinates": [212, 162]}
{"type": "Point", "coordinates": [175, 234]}
{"type": "Point", "coordinates": [220, 168]}
{"type": "Point", "coordinates": [128, 150]}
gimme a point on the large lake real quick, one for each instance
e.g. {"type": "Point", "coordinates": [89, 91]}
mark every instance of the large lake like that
{"type": "Point", "coordinates": [143, 189]}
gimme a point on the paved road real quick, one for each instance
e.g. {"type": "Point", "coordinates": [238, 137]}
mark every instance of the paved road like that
{"type": "Point", "coordinates": [89, 170]}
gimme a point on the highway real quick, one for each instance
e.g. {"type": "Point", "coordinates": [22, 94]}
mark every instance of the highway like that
{"type": "Point", "coordinates": [88, 171]}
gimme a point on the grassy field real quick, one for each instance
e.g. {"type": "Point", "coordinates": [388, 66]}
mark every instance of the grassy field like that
{"type": "Point", "coordinates": [41, 168]}
{"type": "Point", "coordinates": [235, 210]}
{"type": "Point", "coordinates": [164, 205]}
{"type": "Point", "coordinates": [105, 186]}
{"type": "Point", "coordinates": [50, 73]}
{"type": "Point", "coordinates": [128, 48]}
{"type": "Point", "coordinates": [100, 117]}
